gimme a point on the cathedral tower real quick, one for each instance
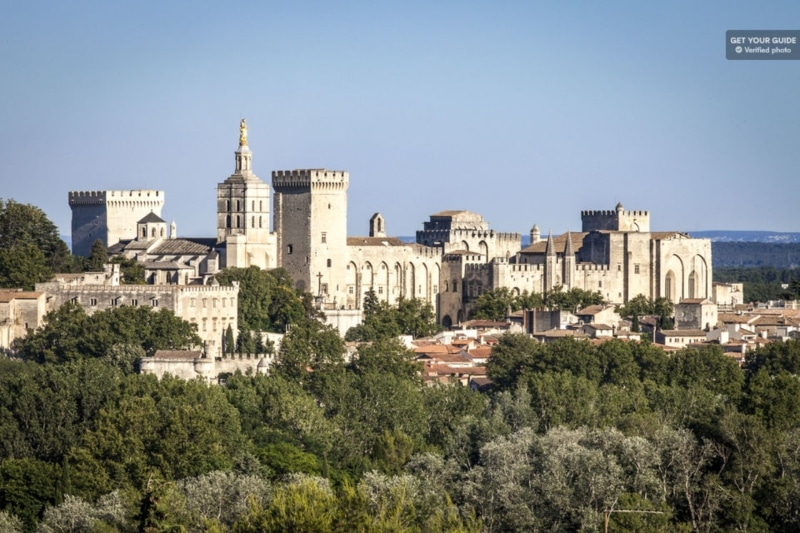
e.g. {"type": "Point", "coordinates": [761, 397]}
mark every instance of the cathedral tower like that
{"type": "Point", "coordinates": [243, 213]}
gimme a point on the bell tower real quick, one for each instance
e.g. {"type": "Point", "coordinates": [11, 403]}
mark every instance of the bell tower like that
{"type": "Point", "coordinates": [243, 212]}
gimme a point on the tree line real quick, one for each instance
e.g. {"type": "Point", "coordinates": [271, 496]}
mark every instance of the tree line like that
{"type": "Point", "coordinates": [571, 431]}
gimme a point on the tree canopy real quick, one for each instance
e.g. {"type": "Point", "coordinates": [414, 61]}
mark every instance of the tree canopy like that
{"type": "Point", "coordinates": [409, 316]}
{"type": "Point", "coordinates": [30, 246]}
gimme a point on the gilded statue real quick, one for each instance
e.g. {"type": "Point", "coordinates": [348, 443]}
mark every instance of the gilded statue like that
{"type": "Point", "coordinates": [243, 133]}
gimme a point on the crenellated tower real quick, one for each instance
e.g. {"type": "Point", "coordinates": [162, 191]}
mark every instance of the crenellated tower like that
{"type": "Point", "coordinates": [110, 216]}
{"type": "Point", "coordinates": [310, 219]}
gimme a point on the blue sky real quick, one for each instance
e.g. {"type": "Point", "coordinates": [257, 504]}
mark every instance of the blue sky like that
{"type": "Point", "coordinates": [526, 112]}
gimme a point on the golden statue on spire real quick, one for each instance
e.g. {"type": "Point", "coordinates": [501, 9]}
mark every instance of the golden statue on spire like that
{"type": "Point", "coordinates": [243, 133]}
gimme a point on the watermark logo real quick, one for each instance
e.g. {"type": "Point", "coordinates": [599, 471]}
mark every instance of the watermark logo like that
{"type": "Point", "coordinates": [762, 44]}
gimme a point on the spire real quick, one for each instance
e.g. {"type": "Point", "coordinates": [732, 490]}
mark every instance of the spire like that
{"type": "Point", "coordinates": [568, 251]}
{"type": "Point", "coordinates": [551, 247]}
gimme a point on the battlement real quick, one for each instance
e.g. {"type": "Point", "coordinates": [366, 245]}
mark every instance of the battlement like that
{"type": "Point", "coordinates": [526, 267]}
{"type": "Point", "coordinates": [476, 268]}
{"type": "Point", "coordinates": [105, 197]}
{"type": "Point", "coordinates": [317, 179]}
{"type": "Point", "coordinates": [593, 267]}
{"type": "Point", "coordinates": [616, 220]}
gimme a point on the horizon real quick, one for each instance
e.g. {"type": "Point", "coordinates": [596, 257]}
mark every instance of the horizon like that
{"type": "Point", "coordinates": [522, 112]}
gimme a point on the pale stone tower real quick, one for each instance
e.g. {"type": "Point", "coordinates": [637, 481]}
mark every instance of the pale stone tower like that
{"type": "Point", "coordinates": [110, 216]}
{"type": "Point", "coordinates": [536, 236]}
{"type": "Point", "coordinates": [310, 218]}
{"type": "Point", "coordinates": [243, 213]}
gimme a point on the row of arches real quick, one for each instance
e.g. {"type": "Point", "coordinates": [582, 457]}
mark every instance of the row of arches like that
{"type": "Point", "coordinates": [390, 281]}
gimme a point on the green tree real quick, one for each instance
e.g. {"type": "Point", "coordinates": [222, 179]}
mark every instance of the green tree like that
{"type": "Point", "coordinates": [23, 267]}
{"type": "Point", "coordinates": [230, 343]}
{"type": "Point", "coordinates": [23, 225]}
{"type": "Point", "coordinates": [494, 304]}
{"type": "Point", "coordinates": [69, 333]}
{"type": "Point", "coordinates": [98, 257]}
{"type": "Point", "coordinates": [132, 271]}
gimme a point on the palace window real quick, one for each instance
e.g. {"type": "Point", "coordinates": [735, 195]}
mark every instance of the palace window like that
{"type": "Point", "coordinates": [93, 301]}
{"type": "Point", "coordinates": [324, 236]}
{"type": "Point", "coordinates": [154, 302]}
{"type": "Point", "coordinates": [350, 290]}
{"type": "Point", "coordinates": [329, 263]}
{"type": "Point", "coordinates": [289, 249]}
{"type": "Point", "coordinates": [135, 303]}
{"type": "Point", "coordinates": [380, 290]}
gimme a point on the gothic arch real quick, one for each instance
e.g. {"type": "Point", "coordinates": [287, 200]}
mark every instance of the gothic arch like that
{"type": "Point", "coordinates": [412, 281]}
{"type": "Point", "coordinates": [351, 286]}
{"type": "Point", "coordinates": [384, 282]}
{"type": "Point", "coordinates": [368, 279]}
{"type": "Point", "coordinates": [398, 288]}
{"type": "Point", "coordinates": [447, 322]}
{"type": "Point", "coordinates": [483, 248]}
{"type": "Point", "coordinates": [678, 286]}
{"type": "Point", "coordinates": [425, 282]}
{"type": "Point", "coordinates": [670, 286]}
{"type": "Point", "coordinates": [700, 268]}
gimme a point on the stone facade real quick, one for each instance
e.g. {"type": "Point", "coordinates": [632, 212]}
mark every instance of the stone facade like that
{"type": "Point", "coordinates": [211, 307]}
{"type": "Point", "coordinates": [110, 216]}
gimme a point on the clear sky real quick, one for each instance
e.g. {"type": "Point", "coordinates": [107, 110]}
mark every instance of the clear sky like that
{"type": "Point", "coordinates": [526, 112]}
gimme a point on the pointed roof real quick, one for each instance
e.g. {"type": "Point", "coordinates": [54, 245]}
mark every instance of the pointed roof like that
{"type": "Point", "coordinates": [568, 251]}
{"type": "Point", "coordinates": [151, 218]}
{"type": "Point", "coordinates": [551, 247]}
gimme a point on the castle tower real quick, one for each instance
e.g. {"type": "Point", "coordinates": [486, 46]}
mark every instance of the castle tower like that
{"type": "Point", "coordinates": [243, 212]}
{"type": "Point", "coordinates": [536, 235]}
{"type": "Point", "coordinates": [310, 219]}
{"type": "Point", "coordinates": [110, 216]}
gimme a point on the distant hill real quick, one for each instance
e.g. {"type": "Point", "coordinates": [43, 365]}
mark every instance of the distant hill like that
{"type": "Point", "coordinates": [747, 236]}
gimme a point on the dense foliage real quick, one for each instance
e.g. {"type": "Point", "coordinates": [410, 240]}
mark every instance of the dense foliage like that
{"type": "Point", "coordinates": [409, 316]}
{"type": "Point", "coordinates": [120, 334]}
{"type": "Point", "coordinates": [495, 304]}
{"type": "Point", "coordinates": [267, 300]}
{"type": "Point", "coordinates": [30, 247]}
{"type": "Point", "coordinates": [688, 441]}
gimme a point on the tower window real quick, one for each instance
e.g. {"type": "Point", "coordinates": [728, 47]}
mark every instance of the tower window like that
{"type": "Point", "coordinates": [329, 263]}
{"type": "Point", "coordinates": [635, 269]}
{"type": "Point", "coordinates": [289, 249]}
{"type": "Point", "coordinates": [324, 236]}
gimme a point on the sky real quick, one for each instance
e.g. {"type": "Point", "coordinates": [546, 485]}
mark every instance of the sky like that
{"type": "Point", "coordinates": [525, 112]}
